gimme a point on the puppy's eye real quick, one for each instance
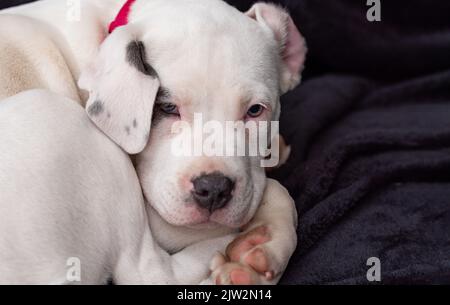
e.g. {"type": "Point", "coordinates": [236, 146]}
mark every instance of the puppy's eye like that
{"type": "Point", "coordinates": [169, 108]}
{"type": "Point", "coordinates": [255, 111]}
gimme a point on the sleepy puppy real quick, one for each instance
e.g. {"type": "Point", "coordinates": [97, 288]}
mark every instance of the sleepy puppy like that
{"type": "Point", "coordinates": [164, 62]}
{"type": "Point", "coordinates": [72, 208]}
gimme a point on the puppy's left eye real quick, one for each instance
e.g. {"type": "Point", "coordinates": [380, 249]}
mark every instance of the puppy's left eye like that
{"type": "Point", "coordinates": [255, 111]}
{"type": "Point", "coordinates": [169, 108]}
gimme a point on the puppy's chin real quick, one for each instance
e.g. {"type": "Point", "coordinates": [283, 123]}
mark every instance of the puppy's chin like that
{"type": "Point", "coordinates": [209, 225]}
{"type": "Point", "coordinates": [185, 217]}
{"type": "Point", "coordinates": [200, 219]}
{"type": "Point", "coordinates": [228, 221]}
{"type": "Point", "coordinates": [203, 221]}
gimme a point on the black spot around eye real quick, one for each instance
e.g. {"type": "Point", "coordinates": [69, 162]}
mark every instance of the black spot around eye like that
{"type": "Point", "coordinates": [137, 58]}
{"type": "Point", "coordinates": [163, 95]}
{"type": "Point", "coordinates": [157, 117]}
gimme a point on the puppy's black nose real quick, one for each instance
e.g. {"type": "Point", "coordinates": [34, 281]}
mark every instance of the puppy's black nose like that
{"type": "Point", "coordinates": [212, 191]}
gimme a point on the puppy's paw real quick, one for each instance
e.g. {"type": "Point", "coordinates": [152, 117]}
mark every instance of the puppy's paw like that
{"type": "Point", "coordinates": [235, 274]}
{"type": "Point", "coordinates": [248, 249]}
{"type": "Point", "coordinates": [247, 261]}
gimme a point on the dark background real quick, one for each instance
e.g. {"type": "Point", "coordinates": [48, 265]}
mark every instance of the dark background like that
{"type": "Point", "coordinates": [370, 134]}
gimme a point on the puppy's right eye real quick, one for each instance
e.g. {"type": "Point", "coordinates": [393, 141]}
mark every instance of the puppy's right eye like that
{"type": "Point", "coordinates": [169, 108]}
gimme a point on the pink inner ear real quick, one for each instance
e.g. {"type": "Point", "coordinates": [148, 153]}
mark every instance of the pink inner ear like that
{"type": "Point", "coordinates": [295, 50]}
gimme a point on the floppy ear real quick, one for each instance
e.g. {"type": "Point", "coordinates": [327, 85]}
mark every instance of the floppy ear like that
{"type": "Point", "coordinates": [122, 91]}
{"type": "Point", "coordinates": [292, 45]}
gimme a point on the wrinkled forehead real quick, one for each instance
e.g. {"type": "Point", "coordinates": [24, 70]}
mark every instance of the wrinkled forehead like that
{"type": "Point", "coordinates": [203, 47]}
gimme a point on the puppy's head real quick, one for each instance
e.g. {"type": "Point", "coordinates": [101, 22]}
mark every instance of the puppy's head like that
{"type": "Point", "coordinates": [178, 59]}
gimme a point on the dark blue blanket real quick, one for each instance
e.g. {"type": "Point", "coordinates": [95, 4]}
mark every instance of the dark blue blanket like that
{"type": "Point", "coordinates": [370, 132]}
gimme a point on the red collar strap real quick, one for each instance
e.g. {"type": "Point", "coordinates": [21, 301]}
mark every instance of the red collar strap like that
{"type": "Point", "coordinates": [122, 17]}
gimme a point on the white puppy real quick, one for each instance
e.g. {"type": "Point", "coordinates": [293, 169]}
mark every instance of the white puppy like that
{"type": "Point", "coordinates": [186, 57]}
{"type": "Point", "coordinates": [71, 196]}
{"type": "Point", "coordinates": [50, 155]}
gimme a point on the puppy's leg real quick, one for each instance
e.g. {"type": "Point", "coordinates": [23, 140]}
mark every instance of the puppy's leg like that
{"type": "Point", "coordinates": [148, 263]}
{"type": "Point", "coordinates": [194, 262]}
{"type": "Point", "coordinates": [260, 254]}
{"type": "Point", "coordinates": [32, 59]}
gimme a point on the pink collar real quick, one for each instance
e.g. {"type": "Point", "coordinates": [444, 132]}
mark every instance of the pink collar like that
{"type": "Point", "coordinates": [122, 17]}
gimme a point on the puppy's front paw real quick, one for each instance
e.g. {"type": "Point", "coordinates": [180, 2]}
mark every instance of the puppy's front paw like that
{"type": "Point", "coordinates": [247, 261]}
{"type": "Point", "coordinates": [231, 273]}
{"type": "Point", "coordinates": [261, 253]}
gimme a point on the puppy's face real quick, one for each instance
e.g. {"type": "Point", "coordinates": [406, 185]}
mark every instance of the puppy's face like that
{"type": "Point", "coordinates": [194, 58]}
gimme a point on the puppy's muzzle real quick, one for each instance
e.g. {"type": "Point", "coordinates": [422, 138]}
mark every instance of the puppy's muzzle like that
{"type": "Point", "coordinates": [212, 191]}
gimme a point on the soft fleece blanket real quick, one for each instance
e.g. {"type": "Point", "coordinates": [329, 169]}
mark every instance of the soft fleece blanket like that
{"type": "Point", "coordinates": [370, 134]}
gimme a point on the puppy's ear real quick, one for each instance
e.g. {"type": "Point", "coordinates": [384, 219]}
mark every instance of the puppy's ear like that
{"type": "Point", "coordinates": [122, 90]}
{"type": "Point", "coordinates": [292, 45]}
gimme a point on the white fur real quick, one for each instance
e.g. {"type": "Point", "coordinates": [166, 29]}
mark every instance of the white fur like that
{"type": "Point", "coordinates": [219, 82]}
{"type": "Point", "coordinates": [70, 193]}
